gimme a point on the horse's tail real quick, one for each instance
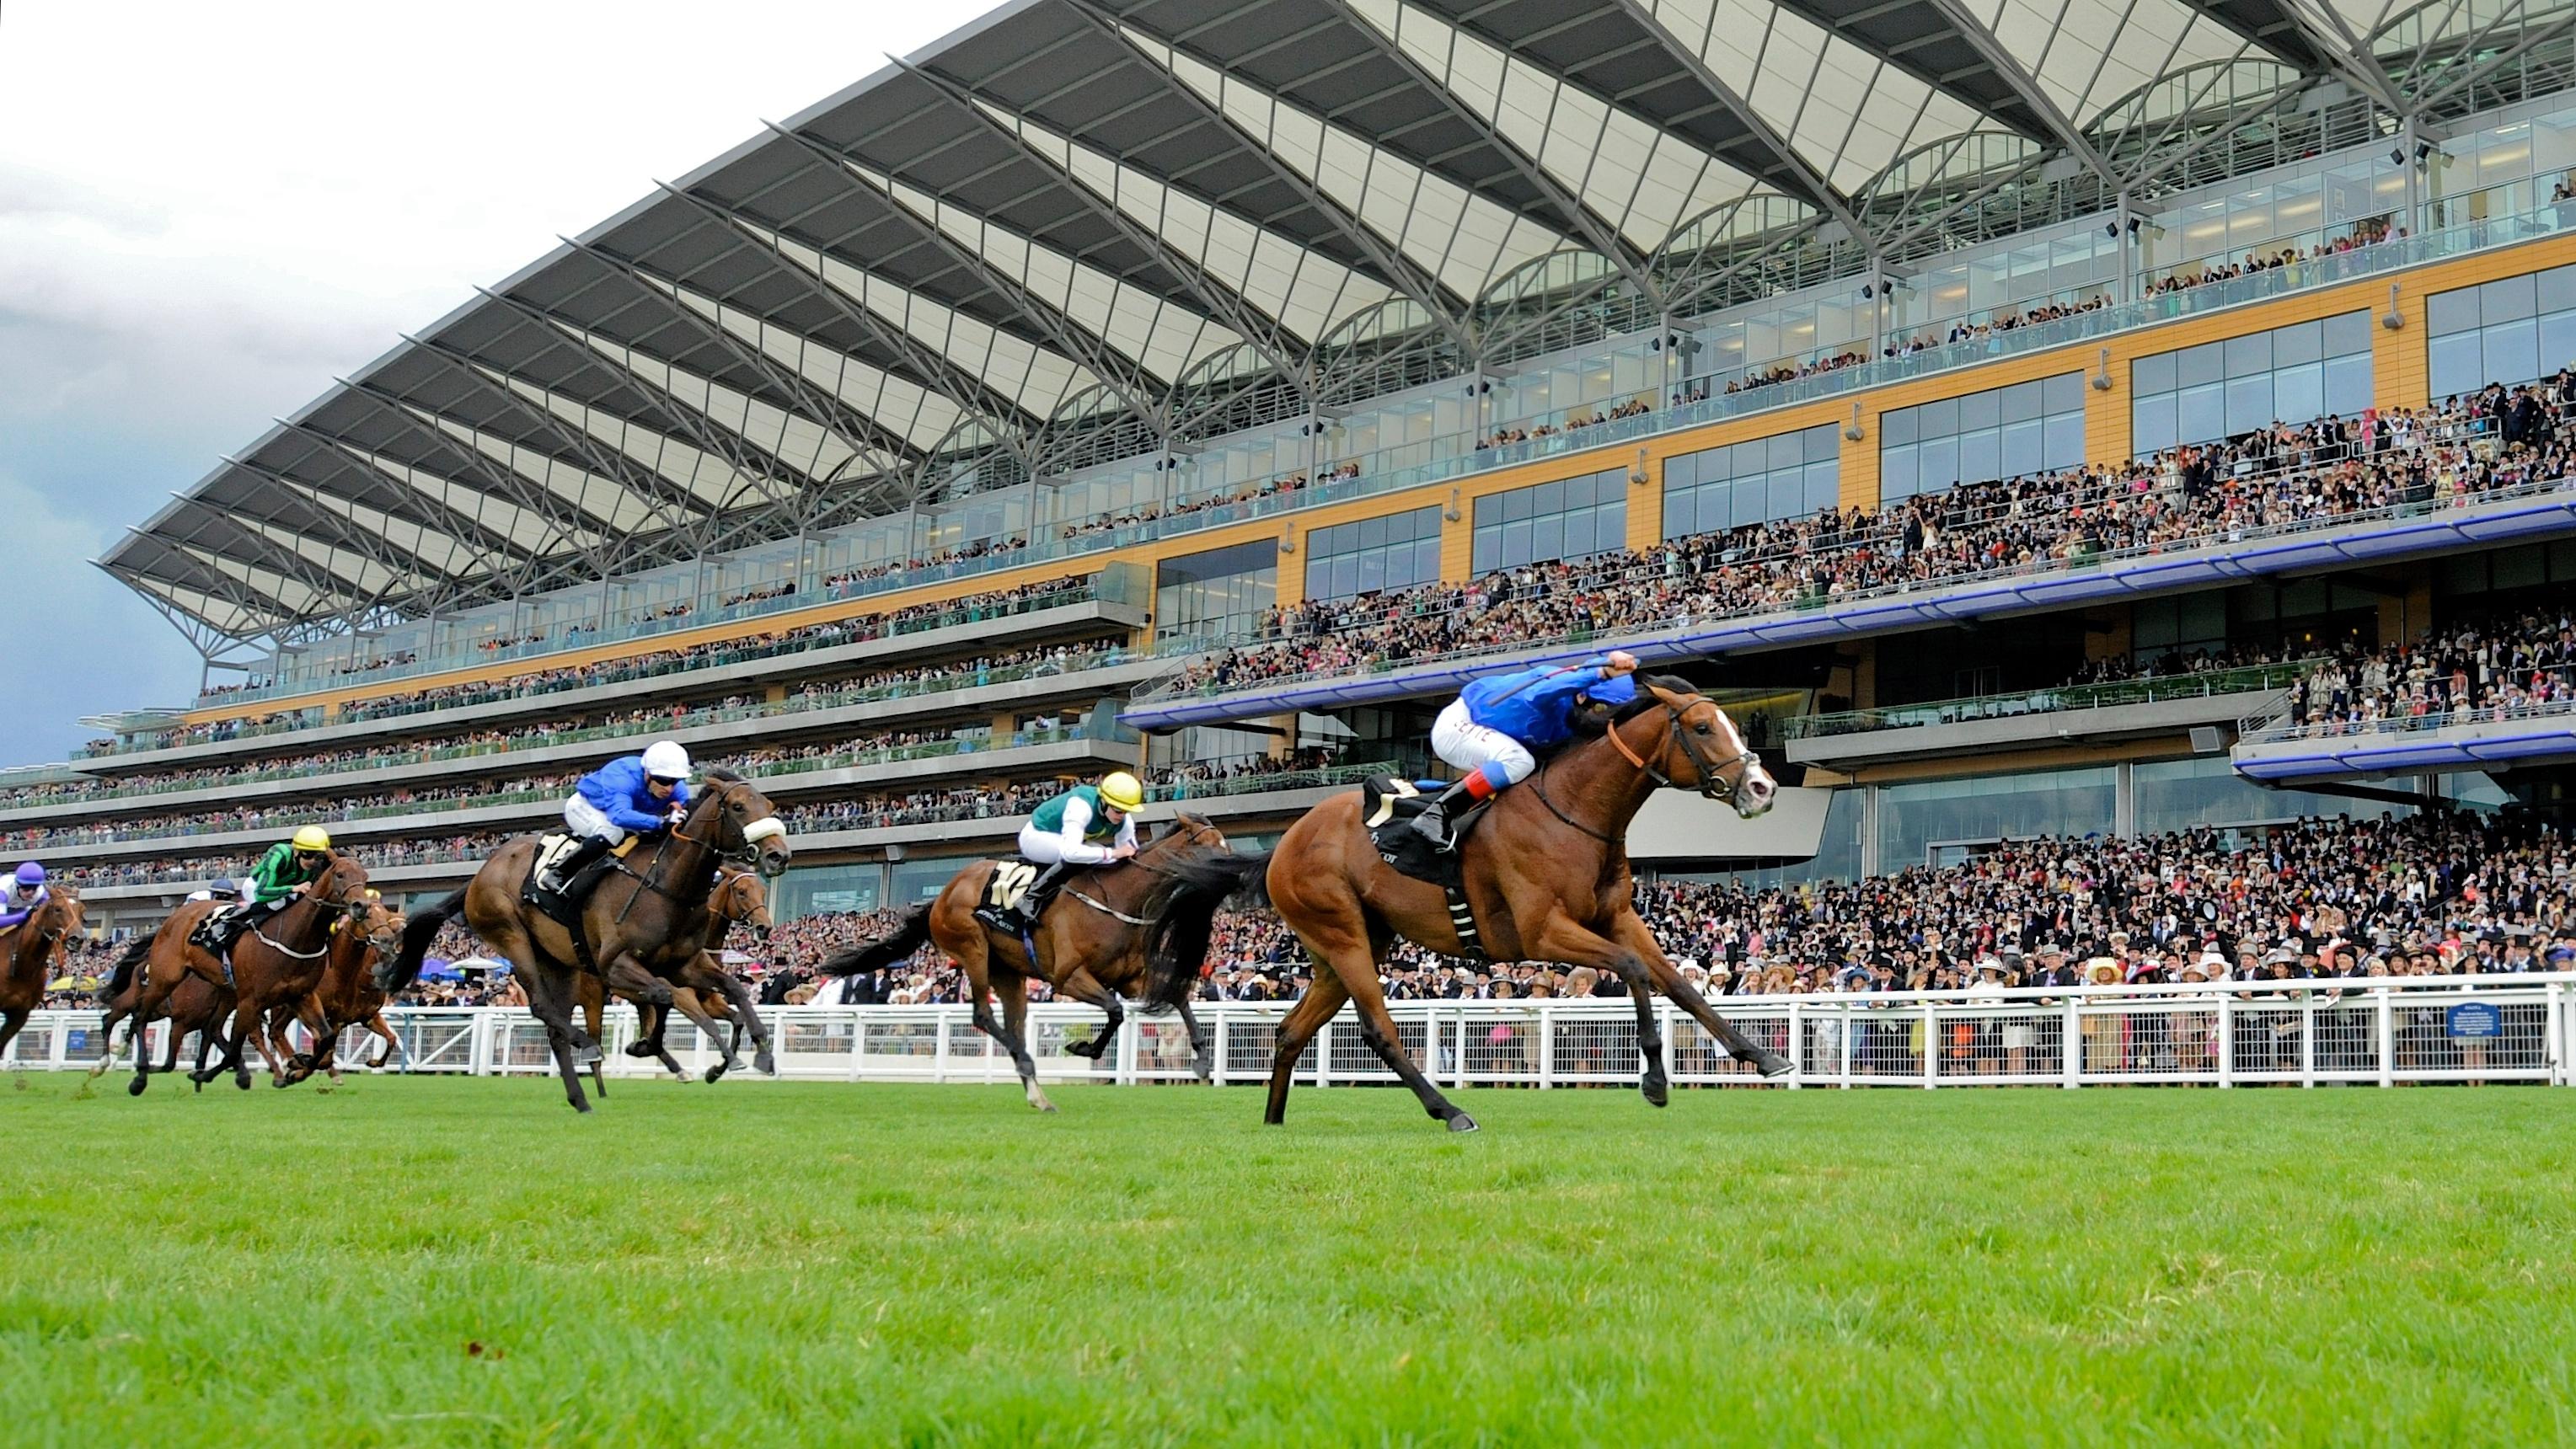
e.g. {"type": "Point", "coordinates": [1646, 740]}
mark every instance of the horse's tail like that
{"type": "Point", "coordinates": [910, 935]}
{"type": "Point", "coordinates": [1177, 946]}
{"type": "Point", "coordinates": [399, 973]}
{"type": "Point", "coordinates": [127, 964]}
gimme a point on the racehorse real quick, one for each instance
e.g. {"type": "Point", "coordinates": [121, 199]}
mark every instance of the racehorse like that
{"type": "Point", "coordinates": [30, 948]}
{"type": "Point", "coordinates": [196, 1006]}
{"type": "Point", "coordinates": [642, 925]}
{"type": "Point", "coordinates": [1090, 946]}
{"type": "Point", "coordinates": [740, 898]}
{"type": "Point", "coordinates": [1545, 873]}
{"type": "Point", "coordinates": [347, 996]}
{"type": "Point", "coordinates": [275, 963]}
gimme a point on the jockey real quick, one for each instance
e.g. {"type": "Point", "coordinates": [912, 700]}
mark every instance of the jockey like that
{"type": "Point", "coordinates": [1086, 825]}
{"type": "Point", "coordinates": [638, 794]}
{"type": "Point", "coordinates": [1495, 728]}
{"type": "Point", "coordinates": [24, 894]}
{"type": "Point", "coordinates": [280, 876]}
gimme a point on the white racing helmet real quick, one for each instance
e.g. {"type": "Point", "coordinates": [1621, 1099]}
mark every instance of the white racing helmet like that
{"type": "Point", "coordinates": [665, 760]}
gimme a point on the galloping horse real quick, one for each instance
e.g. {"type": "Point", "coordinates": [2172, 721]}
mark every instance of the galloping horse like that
{"type": "Point", "coordinates": [740, 899]}
{"type": "Point", "coordinates": [347, 996]}
{"type": "Point", "coordinates": [275, 964]}
{"type": "Point", "coordinates": [30, 948]}
{"type": "Point", "coordinates": [196, 1006]}
{"type": "Point", "coordinates": [1089, 946]}
{"type": "Point", "coordinates": [642, 926]}
{"type": "Point", "coordinates": [1545, 874]}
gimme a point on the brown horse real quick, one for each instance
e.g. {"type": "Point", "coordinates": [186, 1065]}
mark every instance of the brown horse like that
{"type": "Point", "coordinates": [1546, 876]}
{"type": "Point", "coordinates": [1090, 946]}
{"type": "Point", "coordinates": [740, 898]}
{"type": "Point", "coordinates": [642, 927]}
{"type": "Point", "coordinates": [346, 996]}
{"type": "Point", "coordinates": [275, 962]}
{"type": "Point", "coordinates": [27, 952]}
{"type": "Point", "coordinates": [196, 1006]}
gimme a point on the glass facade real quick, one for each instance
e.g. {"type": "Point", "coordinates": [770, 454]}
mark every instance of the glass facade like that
{"type": "Point", "coordinates": [2184, 794]}
{"type": "Point", "coordinates": [2003, 432]}
{"type": "Point", "coordinates": [2224, 389]}
{"type": "Point", "coordinates": [1915, 820]}
{"type": "Point", "coordinates": [811, 890]}
{"type": "Point", "coordinates": [1394, 552]}
{"type": "Point", "coordinates": [1756, 482]}
{"type": "Point", "coordinates": [1221, 592]}
{"type": "Point", "coordinates": [1573, 518]}
{"type": "Point", "coordinates": [2510, 330]}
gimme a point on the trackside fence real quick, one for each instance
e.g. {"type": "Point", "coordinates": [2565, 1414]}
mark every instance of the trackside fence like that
{"type": "Point", "coordinates": [2230, 1034]}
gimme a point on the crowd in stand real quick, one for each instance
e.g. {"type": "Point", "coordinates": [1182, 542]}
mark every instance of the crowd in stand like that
{"type": "Point", "coordinates": [2363, 234]}
{"type": "Point", "coordinates": [2287, 474]}
{"type": "Point", "coordinates": [910, 619]}
{"type": "Point", "coordinates": [1033, 662]}
{"type": "Point", "coordinates": [2462, 674]}
{"type": "Point", "coordinates": [1575, 424]}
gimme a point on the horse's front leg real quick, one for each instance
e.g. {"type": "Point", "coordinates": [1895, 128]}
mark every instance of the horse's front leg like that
{"type": "Point", "coordinates": [1632, 932]}
{"type": "Point", "coordinates": [1560, 939]}
{"type": "Point", "coordinates": [1084, 987]}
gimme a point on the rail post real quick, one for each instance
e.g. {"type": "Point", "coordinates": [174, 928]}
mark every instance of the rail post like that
{"type": "Point", "coordinates": [858, 1042]}
{"type": "Point", "coordinates": [939, 1048]}
{"type": "Point", "coordinates": [1322, 1047]}
{"type": "Point", "coordinates": [1217, 1035]}
{"type": "Point", "coordinates": [1546, 1046]}
{"type": "Point", "coordinates": [2385, 1018]}
{"type": "Point", "coordinates": [1797, 1041]}
{"type": "Point", "coordinates": [2554, 1027]}
{"type": "Point", "coordinates": [1128, 1033]}
{"type": "Point", "coordinates": [2226, 1039]}
{"type": "Point", "coordinates": [2071, 1063]}
{"type": "Point", "coordinates": [2307, 1038]}
{"type": "Point", "coordinates": [1931, 1047]}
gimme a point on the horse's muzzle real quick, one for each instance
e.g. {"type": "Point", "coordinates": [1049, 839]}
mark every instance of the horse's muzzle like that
{"type": "Point", "coordinates": [1756, 795]}
{"type": "Point", "coordinates": [774, 860]}
{"type": "Point", "coordinates": [760, 933]}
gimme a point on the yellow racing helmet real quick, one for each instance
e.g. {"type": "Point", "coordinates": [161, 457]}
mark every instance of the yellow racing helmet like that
{"type": "Point", "coordinates": [1120, 789]}
{"type": "Point", "coordinates": [312, 837]}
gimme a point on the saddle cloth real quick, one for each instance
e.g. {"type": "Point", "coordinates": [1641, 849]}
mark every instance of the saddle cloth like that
{"type": "Point", "coordinates": [1387, 808]}
{"type": "Point", "coordinates": [1011, 880]}
{"type": "Point", "coordinates": [564, 907]}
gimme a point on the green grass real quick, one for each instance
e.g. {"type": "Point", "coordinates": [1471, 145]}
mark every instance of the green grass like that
{"type": "Point", "coordinates": [410, 1261]}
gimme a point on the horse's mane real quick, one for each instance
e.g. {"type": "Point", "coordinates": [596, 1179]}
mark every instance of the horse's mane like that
{"type": "Point", "coordinates": [720, 775]}
{"type": "Point", "coordinates": [1591, 723]}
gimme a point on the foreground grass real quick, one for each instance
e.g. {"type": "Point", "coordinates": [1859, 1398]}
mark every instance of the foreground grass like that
{"type": "Point", "coordinates": [410, 1261]}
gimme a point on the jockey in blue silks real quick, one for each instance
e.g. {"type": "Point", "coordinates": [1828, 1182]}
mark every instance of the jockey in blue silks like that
{"type": "Point", "coordinates": [1496, 728]}
{"type": "Point", "coordinates": [637, 795]}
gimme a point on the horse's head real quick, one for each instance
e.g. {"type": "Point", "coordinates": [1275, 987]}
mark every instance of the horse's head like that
{"type": "Point", "coordinates": [747, 829]}
{"type": "Point", "coordinates": [379, 925]}
{"type": "Point", "coordinates": [343, 884]}
{"type": "Point", "coordinates": [742, 898]}
{"type": "Point", "coordinates": [1687, 742]}
{"type": "Point", "coordinates": [1186, 832]}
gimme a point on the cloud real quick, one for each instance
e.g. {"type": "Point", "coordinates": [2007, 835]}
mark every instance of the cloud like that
{"type": "Point", "coordinates": [207, 212]}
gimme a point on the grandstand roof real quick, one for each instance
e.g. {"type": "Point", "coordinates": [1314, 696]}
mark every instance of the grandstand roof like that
{"type": "Point", "coordinates": [1084, 229]}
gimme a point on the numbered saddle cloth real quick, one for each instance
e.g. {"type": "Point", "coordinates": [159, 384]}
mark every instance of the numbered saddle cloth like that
{"type": "Point", "coordinates": [1011, 880]}
{"type": "Point", "coordinates": [564, 907]}
{"type": "Point", "coordinates": [1387, 808]}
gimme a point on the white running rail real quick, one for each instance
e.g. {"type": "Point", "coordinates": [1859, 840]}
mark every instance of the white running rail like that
{"type": "Point", "coordinates": [2360, 1032]}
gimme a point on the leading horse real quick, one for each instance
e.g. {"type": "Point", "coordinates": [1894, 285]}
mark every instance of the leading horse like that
{"type": "Point", "coordinates": [1545, 873]}
{"type": "Point", "coordinates": [27, 952]}
{"type": "Point", "coordinates": [740, 898]}
{"type": "Point", "coordinates": [642, 926]}
{"type": "Point", "coordinates": [1091, 945]}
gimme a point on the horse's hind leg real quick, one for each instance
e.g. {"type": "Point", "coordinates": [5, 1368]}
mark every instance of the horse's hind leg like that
{"type": "Point", "coordinates": [696, 1012]}
{"type": "Point", "coordinates": [1304, 1019]}
{"type": "Point", "coordinates": [107, 1042]}
{"type": "Point", "coordinates": [547, 991]}
{"type": "Point", "coordinates": [376, 1027]}
{"type": "Point", "coordinates": [10, 1023]}
{"type": "Point", "coordinates": [1377, 1028]}
{"type": "Point", "coordinates": [746, 1018]}
{"type": "Point", "coordinates": [1013, 1034]}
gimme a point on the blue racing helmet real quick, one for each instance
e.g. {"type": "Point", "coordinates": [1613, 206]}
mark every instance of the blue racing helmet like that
{"type": "Point", "coordinates": [31, 874]}
{"type": "Point", "coordinates": [225, 887]}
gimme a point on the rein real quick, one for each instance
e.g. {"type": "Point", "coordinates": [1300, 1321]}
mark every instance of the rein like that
{"type": "Point", "coordinates": [1713, 786]}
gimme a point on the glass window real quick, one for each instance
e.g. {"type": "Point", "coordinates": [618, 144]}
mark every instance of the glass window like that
{"type": "Point", "coordinates": [1374, 553]}
{"type": "Point", "coordinates": [1999, 433]}
{"type": "Point", "coordinates": [2183, 794]}
{"type": "Point", "coordinates": [1914, 818]}
{"type": "Point", "coordinates": [1584, 516]}
{"type": "Point", "coordinates": [1746, 483]}
{"type": "Point", "coordinates": [2222, 389]}
{"type": "Point", "coordinates": [2509, 331]}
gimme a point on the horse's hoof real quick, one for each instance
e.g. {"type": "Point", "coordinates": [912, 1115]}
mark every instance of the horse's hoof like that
{"type": "Point", "coordinates": [584, 1056]}
{"type": "Point", "coordinates": [242, 1080]}
{"type": "Point", "coordinates": [767, 1064]}
{"type": "Point", "coordinates": [633, 1049]}
{"type": "Point", "coordinates": [713, 1074]}
{"type": "Point", "coordinates": [1654, 1094]}
{"type": "Point", "coordinates": [1774, 1066]}
{"type": "Point", "coordinates": [1462, 1123]}
{"type": "Point", "coordinates": [135, 1088]}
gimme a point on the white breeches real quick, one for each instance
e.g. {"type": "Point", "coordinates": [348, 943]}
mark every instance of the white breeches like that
{"type": "Point", "coordinates": [1471, 746]}
{"type": "Point", "coordinates": [1044, 847]}
{"type": "Point", "coordinates": [587, 820]}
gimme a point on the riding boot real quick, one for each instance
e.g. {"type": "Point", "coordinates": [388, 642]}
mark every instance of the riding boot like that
{"type": "Point", "coordinates": [1434, 824]}
{"type": "Point", "coordinates": [561, 877]}
{"type": "Point", "coordinates": [1023, 914]}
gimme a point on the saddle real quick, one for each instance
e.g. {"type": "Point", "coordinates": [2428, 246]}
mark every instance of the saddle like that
{"type": "Point", "coordinates": [564, 907]}
{"type": "Point", "coordinates": [1387, 808]}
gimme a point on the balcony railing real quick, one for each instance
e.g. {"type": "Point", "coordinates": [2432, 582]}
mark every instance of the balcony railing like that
{"type": "Point", "coordinates": [2106, 695]}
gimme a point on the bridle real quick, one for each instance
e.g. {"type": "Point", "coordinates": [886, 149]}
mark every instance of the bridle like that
{"type": "Point", "coordinates": [1712, 785]}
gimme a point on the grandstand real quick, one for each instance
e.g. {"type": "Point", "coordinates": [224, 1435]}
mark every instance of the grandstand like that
{"type": "Point", "coordinates": [2034, 417]}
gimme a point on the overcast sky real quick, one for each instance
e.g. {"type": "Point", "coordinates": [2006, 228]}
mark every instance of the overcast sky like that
{"type": "Point", "coordinates": [208, 211]}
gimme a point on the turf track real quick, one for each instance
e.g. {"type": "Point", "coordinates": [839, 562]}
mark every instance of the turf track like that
{"type": "Point", "coordinates": [410, 1261]}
